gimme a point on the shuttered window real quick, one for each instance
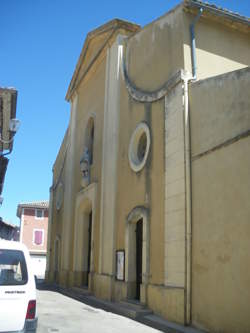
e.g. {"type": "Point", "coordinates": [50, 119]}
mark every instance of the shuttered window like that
{"type": "Point", "coordinates": [39, 214]}
{"type": "Point", "coordinates": [38, 237]}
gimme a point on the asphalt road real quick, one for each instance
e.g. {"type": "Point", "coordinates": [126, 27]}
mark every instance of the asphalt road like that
{"type": "Point", "coordinates": [58, 313]}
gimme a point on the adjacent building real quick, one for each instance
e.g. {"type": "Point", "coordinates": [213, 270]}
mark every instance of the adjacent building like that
{"type": "Point", "coordinates": [33, 232]}
{"type": "Point", "coordinates": [8, 128]}
{"type": "Point", "coordinates": [151, 185]}
{"type": "Point", "coordinates": [8, 231]}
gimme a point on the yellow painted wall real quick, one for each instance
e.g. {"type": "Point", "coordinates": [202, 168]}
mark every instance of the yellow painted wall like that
{"type": "Point", "coordinates": [91, 104]}
{"type": "Point", "coordinates": [144, 188]}
{"type": "Point", "coordinates": [219, 48]}
{"type": "Point", "coordinates": [93, 48]}
{"type": "Point", "coordinates": [127, 179]}
{"type": "Point", "coordinates": [156, 52]}
{"type": "Point", "coordinates": [220, 111]}
{"type": "Point", "coordinates": [60, 158]}
{"type": "Point", "coordinates": [157, 195]}
{"type": "Point", "coordinates": [167, 302]}
{"type": "Point", "coordinates": [152, 56]}
{"type": "Point", "coordinates": [57, 216]}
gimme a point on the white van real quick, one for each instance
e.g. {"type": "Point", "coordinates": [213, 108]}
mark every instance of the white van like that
{"type": "Point", "coordinates": [17, 289]}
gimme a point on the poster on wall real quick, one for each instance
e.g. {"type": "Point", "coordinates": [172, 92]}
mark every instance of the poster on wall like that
{"type": "Point", "coordinates": [120, 265]}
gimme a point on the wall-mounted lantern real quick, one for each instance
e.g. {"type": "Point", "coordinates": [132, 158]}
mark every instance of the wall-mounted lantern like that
{"type": "Point", "coordinates": [84, 166]}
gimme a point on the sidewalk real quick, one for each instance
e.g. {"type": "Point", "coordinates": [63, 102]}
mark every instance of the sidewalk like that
{"type": "Point", "coordinates": [132, 310]}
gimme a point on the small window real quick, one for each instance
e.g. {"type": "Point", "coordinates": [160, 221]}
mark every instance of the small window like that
{"type": "Point", "coordinates": [39, 214]}
{"type": "Point", "coordinates": [139, 147]}
{"type": "Point", "coordinates": [13, 269]}
{"type": "Point", "coordinates": [38, 236]}
{"type": "Point", "coordinates": [89, 139]}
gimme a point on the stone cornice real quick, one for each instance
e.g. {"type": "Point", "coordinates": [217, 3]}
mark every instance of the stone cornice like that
{"type": "Point", "coordinates": [111, 27]}
{"type": "Point", "coordinates": [211, 12]}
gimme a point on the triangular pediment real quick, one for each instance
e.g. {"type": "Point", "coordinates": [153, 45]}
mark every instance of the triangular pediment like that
{"type": "Point", "coordinates": [95, 44]}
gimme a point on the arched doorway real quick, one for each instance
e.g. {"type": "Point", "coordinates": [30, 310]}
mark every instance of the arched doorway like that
{"type": "Point", "coordinates": [89, 243]}
{"type": "Point", "coordinates": [86, 247]}
{"type": "Point", "coordinates": [137, 254]}
{"type": "Point", "coordinates": [138, 257]}
{"type": "Point", "coordinates": [82, 251]}
{"type": "Point", "coordinates": [56, 259]}
{"type": "Point", "coordinates": [83, 256]}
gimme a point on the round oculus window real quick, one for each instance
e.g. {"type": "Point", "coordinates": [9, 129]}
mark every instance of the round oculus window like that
{"type": "Point", "coordinates": [139, 147]}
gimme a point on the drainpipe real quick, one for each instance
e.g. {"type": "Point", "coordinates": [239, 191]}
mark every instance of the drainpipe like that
{"type": "Point", "coordinates": [186, 77]}
{"type": "Point", "coordinates": [193, 46]}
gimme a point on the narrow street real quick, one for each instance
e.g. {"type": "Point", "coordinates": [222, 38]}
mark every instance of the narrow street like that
{"type": "Point", "coordinates": [58, 313]}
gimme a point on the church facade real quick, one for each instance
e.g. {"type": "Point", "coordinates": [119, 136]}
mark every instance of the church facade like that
{"type": "Point", "coordinates": [150, 189]}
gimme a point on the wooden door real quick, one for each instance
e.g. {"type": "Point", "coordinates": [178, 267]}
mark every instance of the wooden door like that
{"type": "Point", "coordinates": [139, 230]}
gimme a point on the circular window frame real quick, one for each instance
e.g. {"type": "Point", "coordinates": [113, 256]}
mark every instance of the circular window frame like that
{"type": "Point", "coordinates": [135, 163]}
{"type": "Point", "coordinates": [59, 196]}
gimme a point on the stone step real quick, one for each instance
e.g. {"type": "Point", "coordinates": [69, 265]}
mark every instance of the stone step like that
{"type": "Point", "coordinates": [80, 291]}
{"type": "Point", "coordinates": [133, 303]}
{"type": "Point", "coordinates": [132, 309]}
{"type": "Point", "coordinates": [129, 308]}
{"type": "Point", "coordinates": [167, 326]}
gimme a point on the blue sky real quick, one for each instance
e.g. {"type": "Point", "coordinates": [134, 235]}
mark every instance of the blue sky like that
{"type": "Point", "coordinates": [41, 41]}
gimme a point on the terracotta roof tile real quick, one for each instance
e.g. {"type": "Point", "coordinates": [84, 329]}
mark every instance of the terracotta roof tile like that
{"type": "Point", "coordinates": [32, 204]}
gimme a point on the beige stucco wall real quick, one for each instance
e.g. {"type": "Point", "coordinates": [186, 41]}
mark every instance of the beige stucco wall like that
{"type": "Point", "coordinates": [220, 111]}
{"type": "Point", "coordinates": [225, 109]}
{"type": "Point", "coordinates": [145, 187]}
{"type": "Point", "coordinates": [164, 46]}
{"type": "Point", "coordinates": [90, 53]}
{"type": "Point", "coordinates": [90, 104]}
{"type": "Point", "coordinates": [153, 55]}
{"type": "Point", "coordinates": [167, 302]}
{"type": "Point", "coordinates": [219, 48]}
{"type": "Point", "coordinates": [55, 216]}
{"type": "Point", "coordinates": [59, 161]}
{"type": "Point", "coordinates": [156, 52]}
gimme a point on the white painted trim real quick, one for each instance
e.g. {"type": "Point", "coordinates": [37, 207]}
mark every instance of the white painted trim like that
{"type": "Point", "coordinates": [38, 251]}
{"type": "Point", "coordinates": [33, 238]}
